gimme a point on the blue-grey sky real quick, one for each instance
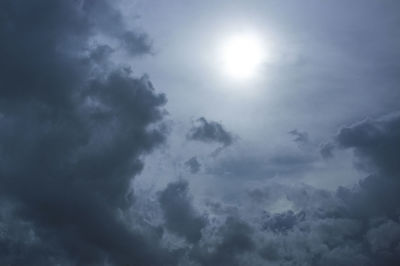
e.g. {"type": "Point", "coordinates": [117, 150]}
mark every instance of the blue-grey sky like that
{"type": "Point", "coordinates": [331, 64]}
{"type": "Point", "coordinates": [125, 141]}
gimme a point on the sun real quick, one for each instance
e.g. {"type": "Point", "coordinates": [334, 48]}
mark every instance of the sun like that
{"type": "Point", "coordinates": [242, 55]}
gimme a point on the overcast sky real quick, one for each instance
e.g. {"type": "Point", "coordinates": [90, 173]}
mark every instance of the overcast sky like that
{"type": "Point", "coordinates": [125, 140]}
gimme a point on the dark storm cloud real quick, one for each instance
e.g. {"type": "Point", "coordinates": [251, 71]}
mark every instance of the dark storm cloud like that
{"type": "Point", "coordinates": [210, 131]}
{"type": "Point", "coordinates": [72, 130]}
{"type": "Point", "coordinates": [100, 53]}
{"type": "Point", "coordinates": [193, 165]}
{"type": "Point", "coordinates": [282, 222]}
{"type": "Point", "coordinates": [181, 218]}
{"type": "Point", "coordinates": [236, 239]}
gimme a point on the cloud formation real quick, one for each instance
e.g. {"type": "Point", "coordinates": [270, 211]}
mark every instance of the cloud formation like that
{"type": "Point", "coordinates": [210, 131]}
{"type": "Point", "coordinates": [301, 137]}
{"type": "Point", "coordinates": [72, 130]}
{"type": "Point", "coordinates": [358, 226]}
{"type": "Point", "coordinates": [74, 127]}
{"type": "Point", "coordinates": [193, 165]}
{"type": "Point", "coordinates": [181, 218]}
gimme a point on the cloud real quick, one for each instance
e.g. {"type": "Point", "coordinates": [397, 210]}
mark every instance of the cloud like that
{"type": "Point", "coordinates": [74, 128]}
{"type": "Point", "coordinates": [300, 136]}
{"type": "Point", "coordinates": [72, 132]}
{"type": "Point", "coordinates": [375, 142]}
{"type": "Point", "coordinates": [282, 222]}
{"type": "Point", "coordinates": [250, 166]}
{"type": "Point", "coordinates": [180, 216]}
{"type": "Point", "coordinates": [210, 131]}
{"type": "Point", "coordinates": [236, 239]}
{"type": "Point", "coordinates": [136, 43]}
{"type": "Point", "coordinates": [383, 238]}
{"type": "Point", "coordinates": [193, 165]}
{"type": "Point", "coordinates": [326, 150]}
{"type": "Point", "coordinates": [357, 226]}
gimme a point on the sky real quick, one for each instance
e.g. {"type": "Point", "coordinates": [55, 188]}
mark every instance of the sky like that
{"type": "Point", "coordinates": [199, 133]}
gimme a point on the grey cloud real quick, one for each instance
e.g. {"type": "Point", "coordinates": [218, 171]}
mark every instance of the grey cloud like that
{"type": "Point", "coordinates": [236, 239]}
{"type": "Point", "coordinates": [282, 222]}
{"type": "Point", "coordinates": [300, 136]}
{"type": "Point", "coordinates": [303, 199]}
{"type": "Point", "coordinates": [99, 54]}
{"type": "Point", "coordinates": [137, 43]}
{"type": "Point", "coordinates": [72, 133]}
{"type": "Point", "coordinates": [193, 165]}
{"type": "Point", "coordinates": [384, 237]}
{"type": "Point", "coordinates": [362, 227]}
{"type": "Point", "coordinates": [270, 252]}
{"type": "Point", "coordinates": [358, 226]}
{"type": "Point", "coordinates": [326, 150]}
{"type": "Point", "coordinates": [210, 131]}
{"type": "Point", "coordinates": [245, 168]}
{"type": "Point", "coordinates": [134, 42]}
{"type": "Point", "coordinates": [248, 166]}
{"type": "Point", "coordinates": [181, 218]}
{"type": "Point", "coordinates": [375, 142]}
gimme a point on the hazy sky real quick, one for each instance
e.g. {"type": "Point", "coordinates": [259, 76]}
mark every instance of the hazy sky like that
{"type": "Point", "coordinates": [199, 133]}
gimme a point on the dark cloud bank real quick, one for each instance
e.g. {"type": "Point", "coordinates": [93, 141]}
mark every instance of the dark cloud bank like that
{"type": "Point", "coordinates": [73, 128]}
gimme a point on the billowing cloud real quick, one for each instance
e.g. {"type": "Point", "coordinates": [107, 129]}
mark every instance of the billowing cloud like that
{"type": "Point", "coordinates": [353, 226]}
{"type": "Point", "coordinates": [357, 226]}
{"type": "Point", "coordinates": [181, 218]}
{"type": "Point", "coordinates": [72, 131]}
{"type": "Point", "coordinates": [282, 222]}
{"type": "Point", "coordinates": [235, 240]}
{"type": "Point", "coordinates": [375, 143]}
{"type": "Point", "coordinates": [75, 127]}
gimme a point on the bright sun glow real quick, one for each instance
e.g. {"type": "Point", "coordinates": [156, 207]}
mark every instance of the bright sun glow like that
{"type": "Point", "coordinates": [242, 55]}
